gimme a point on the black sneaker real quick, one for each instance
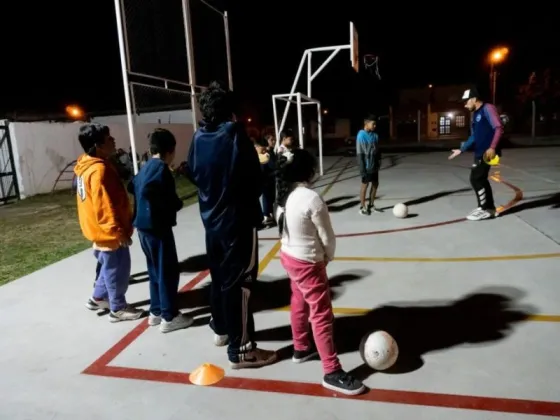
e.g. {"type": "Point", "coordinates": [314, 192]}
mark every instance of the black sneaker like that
{"type": "Point", "coordinates": [301, 356]}
{"type": "Point", "coordinates": [342, 382]}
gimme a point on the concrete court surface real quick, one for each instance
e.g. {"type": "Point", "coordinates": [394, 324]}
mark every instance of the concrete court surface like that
{"type": "Point", "coordinates": [474, 307]}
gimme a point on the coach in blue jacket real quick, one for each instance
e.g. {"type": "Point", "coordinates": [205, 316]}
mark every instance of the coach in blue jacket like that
{"type": "Point", "coordinates": [224, 166]}
{"type": "Point", "coordinates": [486, 132]}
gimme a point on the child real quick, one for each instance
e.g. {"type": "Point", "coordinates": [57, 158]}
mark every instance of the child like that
{"type": "Point", "coordinates": [308, 244]}
{"type": "Point", "coordinates": [286, 142]}
{"type": "Point", "coordinates": [268, 166]}
{"type": "Point", "coordinates": [369, 159]}
{"type": "Point", "coordinates": [155, 213]}
{"type": "Point", "coordinates": [106, 220]}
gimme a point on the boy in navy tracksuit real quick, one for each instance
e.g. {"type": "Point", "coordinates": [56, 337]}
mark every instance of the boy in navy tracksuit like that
{"type": "Point", "coordinates": [224, 166]}
{"type": "Point", "coordinates": [155, 213]}
{"type": "Point", "coordinates": [486, 132]}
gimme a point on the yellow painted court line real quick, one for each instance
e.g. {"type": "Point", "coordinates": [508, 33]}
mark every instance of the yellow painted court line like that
{"type": "Point", "coordinates": [270, 255]}
{"type": "Point", "coordinates": [363, 311]}
{"type": "Point", "coordinates": [450, 259]}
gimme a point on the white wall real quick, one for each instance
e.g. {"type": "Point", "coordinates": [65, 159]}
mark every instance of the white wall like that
{"type": "Point", "coordinates": [180, 116]}
{"type": "Point", "coordinates": [42, 150]}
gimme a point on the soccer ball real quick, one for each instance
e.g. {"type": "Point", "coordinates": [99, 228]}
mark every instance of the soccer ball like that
{"type": "Point", "coordinates": [400, 211]}
{"type": "Point", "coordinates": [379, 350]}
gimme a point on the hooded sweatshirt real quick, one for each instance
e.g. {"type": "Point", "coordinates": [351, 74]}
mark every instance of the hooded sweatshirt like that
{"type": "Point", "coordinates": [224, 166]}
{"type": "Point", "coordinates": [103, 206]}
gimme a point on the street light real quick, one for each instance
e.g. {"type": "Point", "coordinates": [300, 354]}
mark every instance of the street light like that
{"type": "Point", "coordinates": [497, 55]}
{"type": "Point", "coordinates": [74, 112]}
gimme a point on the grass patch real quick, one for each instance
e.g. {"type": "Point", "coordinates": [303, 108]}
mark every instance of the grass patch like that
{"type": "Point", "coordinates": [44, 229]}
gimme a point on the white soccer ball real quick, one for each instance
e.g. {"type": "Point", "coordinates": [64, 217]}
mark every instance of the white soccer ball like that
{"type": "Point", "coordinates": [400, 211]}
{"type": "Point", "coordinates": [379, 350]}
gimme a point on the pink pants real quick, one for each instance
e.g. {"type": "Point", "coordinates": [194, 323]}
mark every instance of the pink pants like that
{"type": "Point", "coordinates": [311, 303]}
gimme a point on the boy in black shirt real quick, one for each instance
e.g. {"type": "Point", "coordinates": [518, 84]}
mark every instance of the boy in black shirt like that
{"type": "Point", "coordinates": [155, 213]}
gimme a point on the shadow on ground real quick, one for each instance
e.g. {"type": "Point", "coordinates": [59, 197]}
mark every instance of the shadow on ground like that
{"type": "Point", "coordinates": [431, 197]}
{"type": "Point", "coordinates": [552, 200]}
{"type": "Point", "coordinates": [267, 294]}
{"type": "Point", "coordinates": [484, 316]}
{"type": "Point", "coordinates": [194, 264]}
{"type": "Point", "coordinates": [341, 203]}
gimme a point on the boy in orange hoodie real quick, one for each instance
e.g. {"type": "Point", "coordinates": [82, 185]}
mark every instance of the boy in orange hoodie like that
{"type": "Point", "coordinates": [106, 220]}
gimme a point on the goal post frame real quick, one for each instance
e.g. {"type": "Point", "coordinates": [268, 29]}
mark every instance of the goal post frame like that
{"type": "Point", "coordinates": [299, 99]}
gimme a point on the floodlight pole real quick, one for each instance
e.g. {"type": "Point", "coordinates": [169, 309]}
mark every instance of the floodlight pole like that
{"type": "Point", "coordinates": [190, 60]}
{"type": "Point", "coordinates": [126, 85]}
{"type": "Point", "coordinates": [228, 51]}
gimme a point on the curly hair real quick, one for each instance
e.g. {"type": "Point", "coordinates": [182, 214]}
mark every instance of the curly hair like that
{"type": "Point", "coordinates": [216, 104]}
{"type": "Point", "coordinates": [295, 167]}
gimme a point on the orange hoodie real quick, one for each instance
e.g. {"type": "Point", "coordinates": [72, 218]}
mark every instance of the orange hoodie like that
{"type": "Point", "coordinates": [103, 205]}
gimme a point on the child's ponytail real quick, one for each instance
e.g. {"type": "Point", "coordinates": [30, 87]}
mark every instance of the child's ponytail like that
{"type": "Point", "coordinates": [284, 185]}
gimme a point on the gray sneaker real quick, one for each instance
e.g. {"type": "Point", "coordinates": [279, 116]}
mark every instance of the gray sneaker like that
{"type": "Point", "coordinates": [129, 313]}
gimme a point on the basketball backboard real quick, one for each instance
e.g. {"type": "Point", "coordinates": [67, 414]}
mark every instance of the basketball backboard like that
{"type": "Point", "coordinates": [354, 52]}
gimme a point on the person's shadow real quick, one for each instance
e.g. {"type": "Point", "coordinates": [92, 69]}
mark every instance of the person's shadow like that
{"type": "Point", "coordinates": [484, 316]}
{"type": "Point", "coordinates": [267, 294]}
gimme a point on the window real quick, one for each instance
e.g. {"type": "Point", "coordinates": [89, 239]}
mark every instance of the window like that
{"type": "Point", "coordinates": [444, 125]}
{"type": "Point", "coordinates": [460, 121]}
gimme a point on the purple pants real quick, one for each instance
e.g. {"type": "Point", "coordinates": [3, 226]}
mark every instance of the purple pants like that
{"type": "Point", "coordinates": [114, 275]}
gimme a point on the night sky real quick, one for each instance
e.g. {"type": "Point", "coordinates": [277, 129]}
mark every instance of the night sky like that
{"type": "Point", "coordinates": [67, 52]}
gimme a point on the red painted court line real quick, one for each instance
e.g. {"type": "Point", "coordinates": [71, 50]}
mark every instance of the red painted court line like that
{"type": "Point", "coordinates": [518, 197]}
{"type": "Point", "coordinates": [97, 367]}
{"type": "Point", "coordinates": [465, 402]}
{"type": "Point", "coordinates": [101, 368]}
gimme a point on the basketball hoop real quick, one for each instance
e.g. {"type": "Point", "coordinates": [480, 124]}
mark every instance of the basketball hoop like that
{"type": "Point", "coordinates": [371, 63]}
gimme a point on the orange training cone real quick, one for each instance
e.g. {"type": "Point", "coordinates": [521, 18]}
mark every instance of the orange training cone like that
{"type": "Point", "coordinates": [207, 374]}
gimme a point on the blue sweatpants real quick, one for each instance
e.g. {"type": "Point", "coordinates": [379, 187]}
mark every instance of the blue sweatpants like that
{"type": "Point", "coordinates": [163, 270]}
{"type": "Point", "coordinates": [114, 275]}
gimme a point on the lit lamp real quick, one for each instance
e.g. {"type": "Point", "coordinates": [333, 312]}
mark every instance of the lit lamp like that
{"type": "Point", "coordinates": [497, 56]}
{"type": "Point", "coordinates": [74, 112]}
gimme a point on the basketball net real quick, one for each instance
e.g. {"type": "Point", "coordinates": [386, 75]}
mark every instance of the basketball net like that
{"type": "Point", "coordinates": [371, 63]}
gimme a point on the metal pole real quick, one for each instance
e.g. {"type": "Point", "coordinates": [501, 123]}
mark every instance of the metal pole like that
{"type": "Point", "coordinates": [125, 33]}
{"type": "Point", "coordinates": [533, 119]}
{"type": "Point", "coordinates": [126, 88]}
{"type": "Point", "coordinates": [292, 91]}
{"type": "Point", "coordinates": [419, 126]}
{"type": "Point", "coordinates": [320, 136]}
{"type": "Point", "coordinates": [309, 75]}
{"type": "Point", "coordinates": [494, 87]}
{"type": "Point", "coordinates": [391, 127]}
{"type": "Point", "coordinates": [228, 51]}
{"type": "Point", "coordinates": [325, 63]}
{"type": "Point", "coordinates": [190, 60]}
{"type": "Point", "coordinates": [276, 131]}
{"type": "Point", "coordinates": [300, 121]}
{"type": "Point", "coordinates": [492, 77]}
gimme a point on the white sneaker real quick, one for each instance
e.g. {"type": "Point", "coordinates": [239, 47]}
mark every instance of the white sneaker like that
{"type": "Point", "coordinates": [154, 320]}
{"type": "Point", "coordinates": [364, 211]}
{"type": "Point", "coordinates": [220, 340]}
{"type": "Point", "coordinates": [481, 215]}
{"type": "Point", "coordinates": [129, 313]}
{"type": "Point", "coordinates": [95, 305]}
{"type": "Point", "coordinates": [474, 211]}
{"type": "Point", "coordinates": [180, 322]}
